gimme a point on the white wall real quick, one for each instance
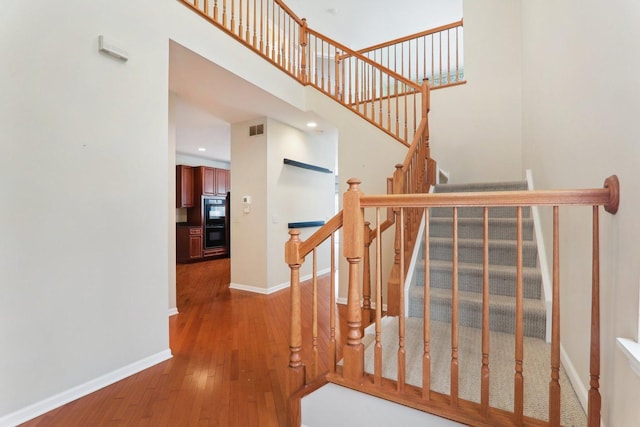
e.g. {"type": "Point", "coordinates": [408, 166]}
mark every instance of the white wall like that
{"type": "Point", "coordinates": [580, 91]}
{"type": "Point", "coordinates": [476, 127]}
{"type": "Point", "coordinates": [280, 194]}
{"type": "Point", "coordinates": [84, 224]}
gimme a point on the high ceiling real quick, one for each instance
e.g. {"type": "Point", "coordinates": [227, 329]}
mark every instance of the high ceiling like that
{"type": "Point", "coordinates": [204, 107]}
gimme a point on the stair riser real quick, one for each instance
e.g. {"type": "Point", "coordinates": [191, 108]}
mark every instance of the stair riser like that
{"type": "Point", "coordinates": [501, 319]}
{"type": "Point", "coordinates": [498, 255]}
{"type": "Point", "coordinates": [498, 212]}
{"type": "Point", "coordinates": [471, 281]}
{"type": "Point", "coordinates": [476, 230]}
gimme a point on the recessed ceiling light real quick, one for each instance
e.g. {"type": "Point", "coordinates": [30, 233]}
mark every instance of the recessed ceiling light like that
{"type": "Point", "coordinates": [332, 11]}
{"type": "Point", "coordinates": [312, 124]}
{"type": "Point", "coordinates": [202, 149]}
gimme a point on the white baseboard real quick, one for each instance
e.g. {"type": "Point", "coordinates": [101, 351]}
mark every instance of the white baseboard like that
{"type": "Point", "coordinates": [576, 382]}
{"type": "Point", "coordinates": [273, 289]}
{"type": "Point", "coordinates": [53, 402]}
{"type": "Point", "coordinates": [173, 311]}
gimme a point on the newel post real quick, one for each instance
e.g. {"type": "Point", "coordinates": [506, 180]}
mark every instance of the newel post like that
{"type": "Point", "coordinates": [303, 51]}
{"type": "Point", "coordinates": [393, 288]}
{"type": "Point", "coordinates": [296, 367]}
{"type": "Point", "coordinates": [353, 250]}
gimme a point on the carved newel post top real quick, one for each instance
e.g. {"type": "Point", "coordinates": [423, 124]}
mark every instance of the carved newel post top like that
{"type": "Point", "coordinates": [354, 184]}
{"type": "Point", "coordinates": [399, 166]}
{"type": "Point", "coordinates": [295, 234]}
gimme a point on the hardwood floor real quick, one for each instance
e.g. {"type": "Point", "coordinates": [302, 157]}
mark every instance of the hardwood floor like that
{"type": "Point", "coordinates": [229, 366]}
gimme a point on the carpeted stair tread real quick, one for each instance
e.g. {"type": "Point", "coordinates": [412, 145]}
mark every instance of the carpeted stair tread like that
{"type": "Point", "coordinates": [501, 252]}
{"type": "Point", "coordinates": [499, 228]}
{"type": "Point", "coordinates": [502, 278]}
{"type": "Point", "coordinates": [481, 187]}
{"type": "Point", "coordinates": [501, 308]}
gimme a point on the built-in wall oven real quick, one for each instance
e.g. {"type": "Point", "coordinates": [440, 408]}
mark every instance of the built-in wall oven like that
{"type": "Point", "coordinates": [215, 220]}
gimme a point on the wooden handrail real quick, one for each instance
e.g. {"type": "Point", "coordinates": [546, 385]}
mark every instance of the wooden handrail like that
{"type": "Point", "coordinates": [289, 11]}
{"type": "Point", "coordinates": [412, 36]}
{"type": "Point", "coordinates": [322, 234]}
{"type": "Point", "coordinates": [607, 197]}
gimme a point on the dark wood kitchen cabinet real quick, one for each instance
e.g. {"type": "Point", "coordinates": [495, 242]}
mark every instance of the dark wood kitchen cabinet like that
{"type": "Point", "coordinates": [211, 181]}
{"type": "Point", "coordinates": [222, 182]}
{"type": "Point", "coordinates": [184, 186]}
{"type": "Point", "coordinates": [188, 243]}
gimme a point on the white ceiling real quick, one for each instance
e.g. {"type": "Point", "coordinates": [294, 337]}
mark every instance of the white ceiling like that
{"type": "Point", "coordinates": [209, 98]}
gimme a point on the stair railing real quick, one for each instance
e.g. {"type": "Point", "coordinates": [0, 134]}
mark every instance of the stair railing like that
{"type": "Point", "coordinates": [350, 371]}
{"type": "Point", "coordinates": [268, 27]}
{"type": "Point", "coordinates": [434, 54]}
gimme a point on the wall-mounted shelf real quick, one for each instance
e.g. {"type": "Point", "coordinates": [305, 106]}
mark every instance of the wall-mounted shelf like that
{"type": "Point", "coordinates": [305, 224]}
{"type": "Point", "coordinates": [306, 166]}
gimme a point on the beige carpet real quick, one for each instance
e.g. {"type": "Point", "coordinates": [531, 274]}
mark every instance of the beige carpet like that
{"type": "Point", "coordinates": [536, 368]}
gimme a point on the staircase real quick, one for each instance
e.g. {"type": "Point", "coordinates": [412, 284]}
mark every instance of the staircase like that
{"type": "Point", "coordinates": [502, 265]}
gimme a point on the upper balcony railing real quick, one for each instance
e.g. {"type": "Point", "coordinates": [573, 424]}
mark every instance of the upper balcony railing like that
{"type": "Point", "coordinates": [381, 95]}
{"type": "Point", "coordinates": [435, 54]}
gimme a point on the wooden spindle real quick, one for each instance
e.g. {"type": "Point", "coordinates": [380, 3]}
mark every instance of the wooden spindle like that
{"type": "Point", "coordinates": [215, 10]}
{"type": "Point", "coordinates": [332, 308]}
{"type": "Point", "coordinates": [314, 313]}
{"type": "Point", "coordinates": [206, 7]}
{"type": "Point", "coordinates": [426, 318]}
{"type": "Point", "coordinates": [247, 36]}
{"type": "Point", "coordinates": [554, 384]}
{"type": "Point", "coordinates": [454, 313]}
{"type": "Point", "coordinates": [303, 56]}
{"type": "Point", "coordinates": [595, 400]}
{"type": "Point", "coordinates": [262, 18]}
{"type": "Point", "coordinates": [402, 370]}
{"type": "Point", "coordinates": [240, 27]}
{"type": "Point", "coordinates": [296, 367]}
{"type": "Point", "coordinates": [366, 275]}
{"type": "Point", "coordinates": [518, 393]}
{"type": "Point", "coordinates": [224, 13]}
{"type": "Point", "coordinates": [484, 373]}
{"type": "Point", "coordinates": [233, 16]}
{"type": "Point", "coordinates": [255, 24]}
{"type": "Point", "coordinates": [353, 230]}
{"type": "Point", "coordinates": [377, 356]}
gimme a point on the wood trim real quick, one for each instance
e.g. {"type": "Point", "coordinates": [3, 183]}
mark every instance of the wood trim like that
{"type": "Point", "coordinates": [322, 234]}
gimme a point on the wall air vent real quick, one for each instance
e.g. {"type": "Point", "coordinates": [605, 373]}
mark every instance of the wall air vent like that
{"type": "Point", "coordinates": [256, 130]}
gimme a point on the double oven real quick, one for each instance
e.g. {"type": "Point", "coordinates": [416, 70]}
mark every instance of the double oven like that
{"type": "Point", "coordinates": [215, 222]}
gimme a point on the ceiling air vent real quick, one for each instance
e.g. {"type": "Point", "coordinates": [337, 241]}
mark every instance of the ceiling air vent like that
{"type": "Point", "coordinates": [256, 130]}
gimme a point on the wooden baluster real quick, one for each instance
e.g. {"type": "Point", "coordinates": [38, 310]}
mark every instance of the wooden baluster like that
{"type": "Point", "coordinates": [247, 23]}
{"type": "Point", "coordinates": [454, 313]}
{"type": "Point", "coordinates": [397, 131]}
{"type": "Point", "coordinates": [279, 43]}
{"type": "Point", "coordinates": [262, 18]}
{"type": "Point", "coordinates": [448, 56]}
{"type": "Point", "coordinates": [296, 367]}
{"type": "Point", "coordinates": [357, 95]}
{"type": "Point", "coordinates": [405, 113]}
{"type": "Point", "coordinates": [393, 286]}
{"type": "Point", "coordinates": [440, 54]}
{"type": "Point", "coordinates": [366, 276]}
{"type": "Point", "coordinates": [233, 16]}
{"type": "Point", "coordinates": [457, 54]}
{"type": "Point", "coordinates": [337, 75]}
{"type": "Point", "coordinates": [554, 384]}
{"type": "Point", "coordinates": [314, 314]}
{"type": "Point", "coordinates": [255, 25]}
{"type": "Point", "coordinates": [595, 400]}
{"type": "Point", "coordinates": [332, 308]}
{"type": "Point", "coordinates": [426, 318]}
{"type": "Point", "coordinates": [518, 392]}
{"type": "Point", "coordinates": [402, 371]}
{"type": "Point", "coordinates": [433, 76]}
{"type": "Point", "coordinates": [377, 368]}
{"type": "Point", "coordinates": [196, 3]}
{"type": "Point", "coordinates": [353, 354]}
{"type": "Point", "coordinates": [215, 10]}
{"type": "Point", "coordinates": [273, 30]}
{"type": "Point", "coordinates": [484, 373]}
{"type": "Point", "coordinates": [380, 97]}
{"type": "Point", "coordinates": [206, 7]}
{"type": "Point", "coordinates": [240, 21]}
{"type": "Point", "coordinates": [224, 13]}
{"type": "Point", "coordinates": [303, 56]}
